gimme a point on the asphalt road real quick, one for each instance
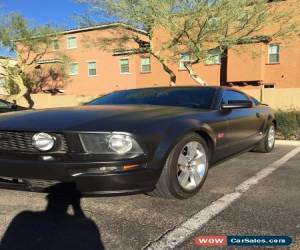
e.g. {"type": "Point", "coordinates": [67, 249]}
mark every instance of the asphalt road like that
{"type": "Point", "coordinates": [270, 207]}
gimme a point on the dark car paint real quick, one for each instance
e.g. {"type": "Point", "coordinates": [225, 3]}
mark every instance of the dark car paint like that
{"type": "Point", "coordinates": [156, 128]}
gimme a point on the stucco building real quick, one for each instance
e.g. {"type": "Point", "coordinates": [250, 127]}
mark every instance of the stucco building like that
{"type": "Point", "coordinates": [95, 71]}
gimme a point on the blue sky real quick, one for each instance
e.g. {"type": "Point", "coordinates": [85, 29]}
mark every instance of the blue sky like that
{"type": "Point", "coordinates": [62, 13]}
{"type": "Point", "coordinates": [57, 12]}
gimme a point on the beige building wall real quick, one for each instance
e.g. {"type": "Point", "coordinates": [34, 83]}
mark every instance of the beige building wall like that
{"type": "Point", "coordinates": [4, 62]}
{"type": "Point", "coordinates": [44, 101]}
{"type": "Point", "coordinates": [285, 99]}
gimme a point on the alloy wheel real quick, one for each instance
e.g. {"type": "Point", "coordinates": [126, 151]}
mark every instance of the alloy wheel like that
{"type": "Point", "coordinates": [271, 136]}
{"type": "Point", "coordinates": [192, 164]}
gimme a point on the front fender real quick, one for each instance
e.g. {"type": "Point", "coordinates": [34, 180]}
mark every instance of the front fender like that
{"type": "Point", "coordinates": [175, 132]}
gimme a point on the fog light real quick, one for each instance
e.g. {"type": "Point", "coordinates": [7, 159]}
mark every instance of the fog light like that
{"type": "Point", "coordinates": [101, 170]}
{"type": "Point", "coordinates": [43, 142]}
{"type": "Point", "coordinates": [47, 158]}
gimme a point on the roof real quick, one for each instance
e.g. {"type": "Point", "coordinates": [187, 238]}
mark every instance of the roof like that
{"type": "Point", "coordinates": [186, 87]}
{"type": "Point", "coordinates": [105, 26]}
{"type": "Point", "coordinates": [178, 87]}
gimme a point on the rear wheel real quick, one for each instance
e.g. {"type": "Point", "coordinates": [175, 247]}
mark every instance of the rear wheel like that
{"type": "Point", "coordinates": [268, 143]}
{"type": "Point", "coordinates": [185, 170]}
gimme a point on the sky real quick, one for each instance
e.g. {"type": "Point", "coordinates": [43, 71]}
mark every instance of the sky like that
{"type": "Point", "coordinates": [57, 12]}
{"type": "Point", "coordinates": [61, 13]}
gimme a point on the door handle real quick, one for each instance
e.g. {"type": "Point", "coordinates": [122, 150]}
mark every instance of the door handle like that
{"type": "Point", "coordinates": [258, 115]}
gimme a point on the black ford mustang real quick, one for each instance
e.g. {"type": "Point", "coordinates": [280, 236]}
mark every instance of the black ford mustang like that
{"type": "Point", "coordinates": [157, 140]}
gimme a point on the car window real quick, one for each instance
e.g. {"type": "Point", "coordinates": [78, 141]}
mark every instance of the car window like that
{"type": "Point", "coordinates": [4, 105]}
{"type": "Point", "coordinates": [255, 101]}
{"type": "Point", "coordinates": [231, 95]}
{"type": "Point", "coordinates": [186, 97]}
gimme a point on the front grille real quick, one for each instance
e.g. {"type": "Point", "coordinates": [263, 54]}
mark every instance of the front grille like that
{"type": "Point", "coordinates": [22, 142]}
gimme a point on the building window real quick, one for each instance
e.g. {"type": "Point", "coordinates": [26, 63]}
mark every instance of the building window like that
{"type": "Point", "coordinates": [55, 44]}
{"type": "Point", "coordinates": [274, 50]}
{"type": "Point", "coordinates": [214, 57]}
{"type": "Point", "coordinates": [73, 69]}
{"type": "Point", "coordinates": [184, 58]}
{"type": "Point", "coordinates": [124, 64]}
{"type": "Point", "coordinates": [145, 64]}
{"type": "Point", "coordinates": [92, 68]}
{"type": "Point", "coordinates": [269, 86]}
{"type": "Point", "coordinates": [72, 42]}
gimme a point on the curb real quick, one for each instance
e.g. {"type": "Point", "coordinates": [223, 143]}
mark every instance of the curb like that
{"type": "Point", "coordinates": [288, 143]}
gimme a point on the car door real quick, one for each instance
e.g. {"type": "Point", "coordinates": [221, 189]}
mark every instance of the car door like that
{"type": "Point", "coordinates": [245, 125]}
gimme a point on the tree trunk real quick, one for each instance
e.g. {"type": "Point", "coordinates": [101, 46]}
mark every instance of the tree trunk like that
{"type": "Point", "coordinates": [19, 82]}
{"type": "Point", "coordinates": [170, 72]}
{"type": "Point", "coordinates": [28, 98]}
{"type": "Point", "coordinates": [194, 76]}
{"type": "Point", "coordinates": [223, 70]}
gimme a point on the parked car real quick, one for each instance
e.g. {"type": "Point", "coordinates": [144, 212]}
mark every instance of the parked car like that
{"type": "Point", "coordinates": [160, 141]}
{"type": "Point", "coordinates": [6, 106]}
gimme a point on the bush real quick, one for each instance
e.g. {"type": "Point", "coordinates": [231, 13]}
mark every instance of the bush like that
{"type": "Point", "coordinates": [288, 125]}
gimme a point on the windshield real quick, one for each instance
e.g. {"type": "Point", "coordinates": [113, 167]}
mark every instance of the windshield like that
{"type": "Point", "coordinates": [186, 97]}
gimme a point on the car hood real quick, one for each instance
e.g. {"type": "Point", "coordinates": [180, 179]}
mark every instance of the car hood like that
{"type": "Point", "coordinates": [88, 118]}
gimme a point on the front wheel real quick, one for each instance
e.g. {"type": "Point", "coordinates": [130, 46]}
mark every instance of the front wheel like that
{"type": "Point", "coordinates": [268, 143]}
{"type": "Point", "coordinates": [185, 170]}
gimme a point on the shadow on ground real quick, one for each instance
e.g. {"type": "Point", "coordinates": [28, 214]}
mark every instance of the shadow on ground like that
{"type": "Point", "coordinates": [54, 228]}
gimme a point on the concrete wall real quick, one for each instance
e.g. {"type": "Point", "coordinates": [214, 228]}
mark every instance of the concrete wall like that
{"type": "Point", "coordinates": [43, 101]}
{"type": "Point", "coordinates": [285, 99]}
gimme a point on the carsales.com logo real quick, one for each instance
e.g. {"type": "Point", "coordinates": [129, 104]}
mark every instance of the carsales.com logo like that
{"type": "Point", "coordinates": [218, 241]}
{"type": "Point", "coordinates": [211, 241]}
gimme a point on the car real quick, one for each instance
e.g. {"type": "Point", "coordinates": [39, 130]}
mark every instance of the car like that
{"type": "Point", "coordinates": [159, 141]}
{"type": "Point", "coordinates": [6, 106]}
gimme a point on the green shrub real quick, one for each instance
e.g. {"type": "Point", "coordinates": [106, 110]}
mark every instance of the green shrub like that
{"type": "Point", "coordinates": [288, 124]}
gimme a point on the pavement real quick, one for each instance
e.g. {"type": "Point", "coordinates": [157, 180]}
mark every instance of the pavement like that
{"type": "Point", "coordinates": [269, 205]}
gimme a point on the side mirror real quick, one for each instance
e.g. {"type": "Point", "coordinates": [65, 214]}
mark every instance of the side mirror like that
{"type": "Point", "coordinates": [237, 104]}
{"type": "Point", "coordinates": [14, 106]}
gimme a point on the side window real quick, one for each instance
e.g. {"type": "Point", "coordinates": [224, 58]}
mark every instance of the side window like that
{"type": "Point", "coordinates": [255, 101]}
{"type": "Point", "coordinates": [231, 95]}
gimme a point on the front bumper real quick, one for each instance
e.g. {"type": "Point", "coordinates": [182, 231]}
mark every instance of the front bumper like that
{"type": "Point", "coordinates": [37, 174]}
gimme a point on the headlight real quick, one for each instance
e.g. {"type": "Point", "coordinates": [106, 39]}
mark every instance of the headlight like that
{"type": "Point", "coordinates": [121, 144]}
{"type": "Point", "coordinates": [110, 143]}
{"type": "Point", "coordinates": [43, 142]}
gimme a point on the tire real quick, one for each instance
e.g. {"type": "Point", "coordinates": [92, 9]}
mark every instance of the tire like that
{"type": "Point", "coordinates": [267, 144]}
{"type": "Point", "coordinates": [179, 165]}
